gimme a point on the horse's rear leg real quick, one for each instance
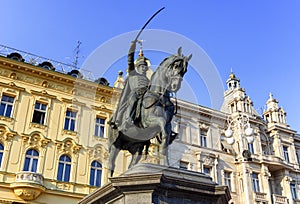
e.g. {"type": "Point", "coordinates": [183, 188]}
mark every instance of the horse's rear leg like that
{"type": "Point", "coordinates": [136, 154]}
{"type": "Point", "coordinates": [113, 153]}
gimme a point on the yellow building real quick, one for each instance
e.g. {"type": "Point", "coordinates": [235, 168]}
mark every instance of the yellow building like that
{"type": "Point", "coordinates": [52, 132]}
{"type": "Point", "coordinates": [53, 138]}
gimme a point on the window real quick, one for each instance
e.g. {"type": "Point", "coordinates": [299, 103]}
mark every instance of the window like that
{"type": "Point", "coordinates": [286, 153]}
{"type": "Point", "coordinates": [99, 127]}
{"type": "Point", "coordinates": [6, 106]}
{"type": "Point", "coordinates": [183, 165]}
{"type": "Point", "coordinates": [70, 120]}
{"type": "Point", "coordinates": [96, 172]}
{"type": "Point", "coordinates": [293, 190]}
{"type": "Point", "coordinates": [227, 179]}
{"type": "Point", "coordinates": [297, 156]}
{"type": "Point", "coordinates": [255, 182]}
{"type": "Point", "coordinates": [1, 153]}
{"type": "Point", "coordinates": [183, 132]}
{"type": "Point", "coordinates": [203, 136]}
{"type": "Point", "coordinates": [31, 160]}
{"type": "Point", "coordinates": [39, 113]}
{"type": "Point", "coordinates": [264, 149]}
{"type": "Point", "coordinates": [206, 170]}
{"type": "Point", "coordinates": [251, 148]}
{"type": "Point", "coordinates": [64, 168]}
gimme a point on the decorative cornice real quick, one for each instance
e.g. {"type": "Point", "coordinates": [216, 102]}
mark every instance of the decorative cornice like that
{"type": "Point", "coordinates": [43, 93]}
{"type": "Point", "coordinates": [73, 101]}
{"type": "Point", "coordinates": [12, 85]}
{"type": "Point", "coordinates": [101, 108]}
{"type": "Point", "coordinates": [16, 69]}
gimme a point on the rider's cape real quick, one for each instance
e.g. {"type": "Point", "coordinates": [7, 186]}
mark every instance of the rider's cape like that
{"type": "Point", "coordinates": [120, 110]}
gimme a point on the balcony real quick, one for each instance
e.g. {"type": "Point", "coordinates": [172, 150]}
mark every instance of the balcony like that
{"type": "Point", "coordinates": [28, 185]}
{"type": "Point", "coordinates": [260, 196]}
{"type": "Point", "coordinates": [278, 199]}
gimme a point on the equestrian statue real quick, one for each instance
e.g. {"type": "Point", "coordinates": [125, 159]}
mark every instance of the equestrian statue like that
{"type": "Point", "coordinates": [145, 109]}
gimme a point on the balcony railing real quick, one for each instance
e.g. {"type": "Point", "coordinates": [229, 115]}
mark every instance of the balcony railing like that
{"type": "Point", "coordinates": [260, 196]}
{"type": "Point", "coordinates": [28, 185]}
{"type": "Point", "coordinates": [29, 177]}
{"type": "Point", "coordinates": [36, 60]}
{"type": "Point", "coordinates": [279, 199]}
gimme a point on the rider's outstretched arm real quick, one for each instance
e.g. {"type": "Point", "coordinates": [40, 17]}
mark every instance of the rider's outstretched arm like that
{"type": "Point", "coordinates": [130, 57]}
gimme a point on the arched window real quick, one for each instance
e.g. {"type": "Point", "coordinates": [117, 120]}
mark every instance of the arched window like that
{"type": "Point", "coordinates": [64, 168]}
{"type": "Point", "coordinates": [31, 160]}
{"type": "Point", "coordinates": [96, 172]}
{"type": "Point", "coordinates": [1, 153]}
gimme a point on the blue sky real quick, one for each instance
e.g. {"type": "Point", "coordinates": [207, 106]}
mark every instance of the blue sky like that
{"type": "Point", "coordinates": [259, 40]}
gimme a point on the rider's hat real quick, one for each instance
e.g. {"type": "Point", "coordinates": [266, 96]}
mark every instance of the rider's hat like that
{"type": "Point", "coordinates": [141, 59]}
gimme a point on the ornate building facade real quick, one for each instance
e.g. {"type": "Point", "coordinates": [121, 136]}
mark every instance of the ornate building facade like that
{"type": "Point", "coordinates": [53, 139]}
{"type": "Point", "coordinates": [52, 133]}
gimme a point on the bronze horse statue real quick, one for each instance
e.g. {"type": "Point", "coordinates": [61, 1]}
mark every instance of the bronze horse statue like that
{"type": "Point", "coordinates": [156, 112]}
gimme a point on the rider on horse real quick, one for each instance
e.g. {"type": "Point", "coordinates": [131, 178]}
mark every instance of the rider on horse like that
{"type": "Point", "coordinates": [135, 87]}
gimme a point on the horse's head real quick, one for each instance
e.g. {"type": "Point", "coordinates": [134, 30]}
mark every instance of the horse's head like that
{"type": "Point", "coordinates": [176, 69]}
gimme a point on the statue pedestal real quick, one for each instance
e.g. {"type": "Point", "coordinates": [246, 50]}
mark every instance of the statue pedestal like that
{"type": "Point", "coordinates": [156, 184]}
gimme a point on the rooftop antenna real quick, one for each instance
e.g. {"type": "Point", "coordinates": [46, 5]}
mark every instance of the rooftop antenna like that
{"type": "Point", "coordinates": [77, 50]}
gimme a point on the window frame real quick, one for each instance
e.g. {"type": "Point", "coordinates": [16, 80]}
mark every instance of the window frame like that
{"type": "Point", "coordinates": [228, 179]}
{"type": "Point", "coordinates": [207, 168]}
{"type": "Point", "coordinates": [1, 154]}
{"type": "Point", "coordinates": [64, 173]}
{"type": "Point", "coordinates": [7, 104]}
{"type": "Point", "coordinates": [41, 111]}
{"type": "Point", "coordinates": [285, 150]}
{"type": "Point", "coordinates": [255, 182]}
{"type": "Point", "coordinates": [203, 138]}
{"type": "Point", "coordinates": [96, 174]}
{"type": "Point", "coordinates": [31, 160]}
{"type": "Point", "coordinates": [251, 148]}
{"type": "Point", "coordinates": [98, 132]}
{"type": "Point", "coordinates": [293, 189]}
{"type": "Point", "coordinates": [70, 120]}
{"type": "Point", "coordinates": [183, 165]}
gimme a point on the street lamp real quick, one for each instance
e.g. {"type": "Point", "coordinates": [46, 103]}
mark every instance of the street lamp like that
{"type": "Point", "coordinates": [240, 125]}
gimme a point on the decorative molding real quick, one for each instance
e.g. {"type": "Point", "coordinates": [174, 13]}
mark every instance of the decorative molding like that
{"type": "Point", "coordinates": [6, 134]}
{"type": "Point", "coordinates": [63, 186]}
{"type": "Point", "coordinates": [73, 101]}
{"type": "Point", "coordinates": [208, 161]}
{"type": "Point", "coordinates": [203, 126]}
{"type": "Point", "coordinates": [43, 93]}
{"type": "Point", "coordinates": [98, 152]}
{"type": "Point", "coordinates": [6, 119]}
{"type": "Point", "coordinates": [35, 139]}
{"type": "Point", "coordinates": [68, 146]}
{"type": "Point", "coordinates": [36, 125]}
{"type": "Point", "coordinates": [27, 193]}
{"type": "Point", "coordinates": [13, 86]}
{"type": "Point", "coordinates": [69, 132]}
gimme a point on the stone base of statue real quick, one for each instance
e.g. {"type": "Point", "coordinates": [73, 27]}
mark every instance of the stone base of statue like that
{"type": "Point", "coordinates": [156, 184]}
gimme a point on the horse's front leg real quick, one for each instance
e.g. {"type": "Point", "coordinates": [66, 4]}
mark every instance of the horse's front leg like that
{"type": "Point", "coordinates": [113, 153]}
{"type": "Point", "coordinates": [163, 147]}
